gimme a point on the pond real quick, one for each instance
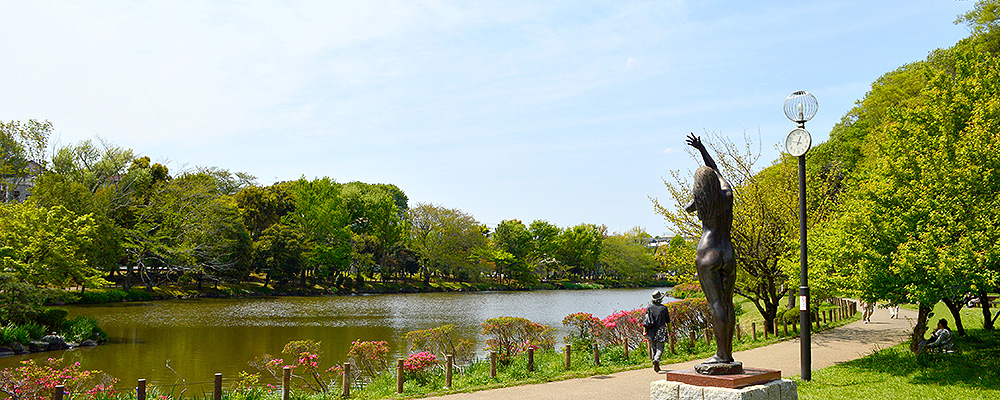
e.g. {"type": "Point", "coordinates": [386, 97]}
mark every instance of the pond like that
{"type": "Point", "coordinates": [186, 341]}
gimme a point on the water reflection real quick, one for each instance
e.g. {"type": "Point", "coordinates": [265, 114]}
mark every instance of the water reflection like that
{"type": "Point", "coordinates": [202, 337]}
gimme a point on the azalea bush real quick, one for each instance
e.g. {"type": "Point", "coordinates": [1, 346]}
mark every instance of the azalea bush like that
{"type": "Point", "coordinates": [687, 290]}
{"type": "Point", "coordinates": [369, 359]}
{"type": "Point", "coordinates": [689, 315]}
{"type": "Point", "coordinates": [417, 366]}
{"type": "Point", "coordinates": [31, 381]}
{"type": "Point", "coordinates": [305, 368]}
{"type": "Point", "coordinates": [622, 327]}
{"type": "Point", "coordinates": [584, 328]}
{"type": "Point", "coordinates": [442, 341]}
{"type": "Point", "coordinates": [510, 336]}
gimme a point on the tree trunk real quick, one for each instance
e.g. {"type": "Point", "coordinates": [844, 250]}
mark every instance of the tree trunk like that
{"type": "Point", "coordinates": [955, 306]}
{"type": "Point", "coordinates": [923, 313]}
{"type": "Point", "coordinates": [984, 301]}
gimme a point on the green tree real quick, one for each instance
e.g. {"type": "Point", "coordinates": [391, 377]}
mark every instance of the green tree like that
{"type": "Point", "coordinates": [677, 259]}
{"type": "Point", "coordinates": [579, 249]}
{"type": "Point", "coordinates": [628, 256]}
{"type": "Point", "coordinates": [921, 224]}
{"type": "Point", "coordinates": [45, 247]}
{"type": "Point", "coordinates": [321, 216]}
{"type": "Point", "coordinates": [378, 221]}
{"type": "Point", "coordinates": [510, 253]}
{"type": "Point", "coordinates": [445, 240]}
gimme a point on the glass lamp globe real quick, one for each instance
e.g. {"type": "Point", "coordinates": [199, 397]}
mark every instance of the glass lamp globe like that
{"type": "Point", "coordinates": [801, 106]}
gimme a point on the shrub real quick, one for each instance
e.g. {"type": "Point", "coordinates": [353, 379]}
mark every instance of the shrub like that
{"type": "Point", "coordinates": [584, 326]}
{"type": "Point", "coordinates": [686, 290]}
{"type": "Point", "coordinates": [369, 358]}
{"type": "Point", "coordinates": [689, 315]}
{"type": "Point", "coordinates": [441, 341]}
{"type": "Point", "coordinates": [52, 318]}
{"type": "Point", "coordinates": [623, 327]}
{"type": "Point", "coordinates": [31, 381]}
{"type": "Point", "coordinates": [513, 335]}
{"type": "Point", "coordinates": [305, 369]}
{"type": "Point", "coordinates": [84, 327]}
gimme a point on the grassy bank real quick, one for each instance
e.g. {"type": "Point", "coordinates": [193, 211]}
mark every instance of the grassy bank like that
{"type": "Point", "coordinates": [895, 374]}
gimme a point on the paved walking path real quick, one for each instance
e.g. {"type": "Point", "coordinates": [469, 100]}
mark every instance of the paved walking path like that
{"type": "Point", "coordinates": [844, 343]}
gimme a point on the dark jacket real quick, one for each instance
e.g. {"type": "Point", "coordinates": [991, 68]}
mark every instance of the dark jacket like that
{"type": "Point", "coordinates": [657, 318]}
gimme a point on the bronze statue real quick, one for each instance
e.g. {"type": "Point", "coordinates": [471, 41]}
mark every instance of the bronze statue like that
{"type": "Point", "coordinates": [716, 260]}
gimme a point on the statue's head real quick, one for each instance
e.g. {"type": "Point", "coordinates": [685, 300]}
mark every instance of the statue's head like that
{"type": "Point", "coordinates": [707, 193]}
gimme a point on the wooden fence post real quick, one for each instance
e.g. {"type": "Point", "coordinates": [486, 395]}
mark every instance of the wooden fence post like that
{"type": "Point", "coordinates": [753, 327]}
{"type": "Point", "coordinates": [597, 355]}
{"type": "Point", "coordinates": [493, 364]}
{"type": "Point", "coordinates": [286, 383]}
{"type": "Point", "coordinates": [57, 393]}
{"type": "Point", "coordinates": [217, 393]}
{"type": "Point", "coordinates": [448, 368]}
{"type": "Point", "coordinates": [739, 332]}
{"type": "Point", "coordinates": [531, 359]}
{"type": "Point", "coordinates": [673, 341]}
{"type": "Point", "coordinates": [708, 337]}
{"type": "Point", "coordinates": [399, 375]}
{"type": "Point", "coordinates": [569, 353]}
{"type": "Point", "coordinates": [347, 381]}
{"type": "Point", "coordinates": [784, 322]}
{"type": "Point", "coordinates": [625, 347]}
{"type": "Point", "coordinates": [140, 390]}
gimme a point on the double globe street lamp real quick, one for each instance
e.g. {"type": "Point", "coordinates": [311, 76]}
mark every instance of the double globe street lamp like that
{"type": "Point", "coordinates": [800, 107]}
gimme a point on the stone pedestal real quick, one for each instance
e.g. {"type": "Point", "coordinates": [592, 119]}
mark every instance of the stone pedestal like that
{"type": "Point", "coordinates": [748, 377]}
{"type": "Point", "coordinates": [781, 389]}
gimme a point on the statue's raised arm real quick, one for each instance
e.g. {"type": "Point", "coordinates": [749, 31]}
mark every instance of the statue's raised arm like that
{"type": "Point", "coordinates": [695, 141]}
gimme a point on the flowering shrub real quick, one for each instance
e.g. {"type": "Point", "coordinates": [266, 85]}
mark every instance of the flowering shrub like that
{"type": "Point", "coordinates": [687, 290]}
{"type": "Point", "coordinates": [370, 358]}
{"type": "Point", "coordinates": [623, 327]}
{"type": "Point", "coordinates": [513, 335]}
{"type": "Point", "coordinates": [419, 362]}
{"type": "Point", "coordinates": [305, 369]}
{"type": "Point", "coordinates": [689, 315]}
{"type": "Point", "coordinates": [584, 327]}
{"type": "Point", "coordinates": [441, 341]}
{"type": "Point", "coordinates": [31, 381]}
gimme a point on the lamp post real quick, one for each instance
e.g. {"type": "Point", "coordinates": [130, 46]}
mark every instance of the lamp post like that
{"type": "Point", "coordinates": [801, 107]}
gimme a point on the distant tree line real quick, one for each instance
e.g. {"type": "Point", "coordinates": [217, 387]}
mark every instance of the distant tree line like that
{"type": "Point", "coordinates": [101, 214]}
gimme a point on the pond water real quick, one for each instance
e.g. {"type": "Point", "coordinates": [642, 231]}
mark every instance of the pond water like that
{"type": "Point", "coordinates": [198, 338]}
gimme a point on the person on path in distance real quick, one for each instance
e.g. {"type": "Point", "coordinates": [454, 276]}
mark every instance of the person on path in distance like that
{"type": "Point", "coordinates": [657, 318]}
{"type": "Point", "coordinates": [868, 308]}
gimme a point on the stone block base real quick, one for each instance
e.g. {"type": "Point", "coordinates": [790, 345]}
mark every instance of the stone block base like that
{"type": "Point", "coordinates": [782, 389]}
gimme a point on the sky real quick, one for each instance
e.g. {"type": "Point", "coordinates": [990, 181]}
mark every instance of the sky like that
{"type": "Point", "coordinates": [566, 111]}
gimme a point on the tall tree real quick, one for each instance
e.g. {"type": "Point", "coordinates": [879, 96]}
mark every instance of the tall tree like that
{"type": "Point", "coordinates": [921, 224]}
{"type": "Point", "coordinates": [445, 240]}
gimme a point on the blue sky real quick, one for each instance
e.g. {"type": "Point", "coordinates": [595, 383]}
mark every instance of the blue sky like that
{"type": "Point", "coordinates": [567, 111]}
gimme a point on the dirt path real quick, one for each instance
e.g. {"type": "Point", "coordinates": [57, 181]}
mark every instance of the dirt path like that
{"type": "Point", "coordinates": [837, 345]}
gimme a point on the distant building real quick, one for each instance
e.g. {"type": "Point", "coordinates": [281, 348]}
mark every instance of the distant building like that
{"type": "Point", "coordinates": [17, 188]}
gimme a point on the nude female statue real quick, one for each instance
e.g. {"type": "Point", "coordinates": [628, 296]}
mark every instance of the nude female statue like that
{"type": "Point", "coordinates": [715, 260]}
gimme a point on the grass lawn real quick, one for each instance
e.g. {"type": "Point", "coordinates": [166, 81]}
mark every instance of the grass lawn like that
{"type": "Point", "coordinates": [895, 374]}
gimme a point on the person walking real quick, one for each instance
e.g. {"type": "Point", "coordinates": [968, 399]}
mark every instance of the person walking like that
{"type": "Point", "coordinates": [893, 311]}
{"type": "Point", "coordinates": [655, 323]}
